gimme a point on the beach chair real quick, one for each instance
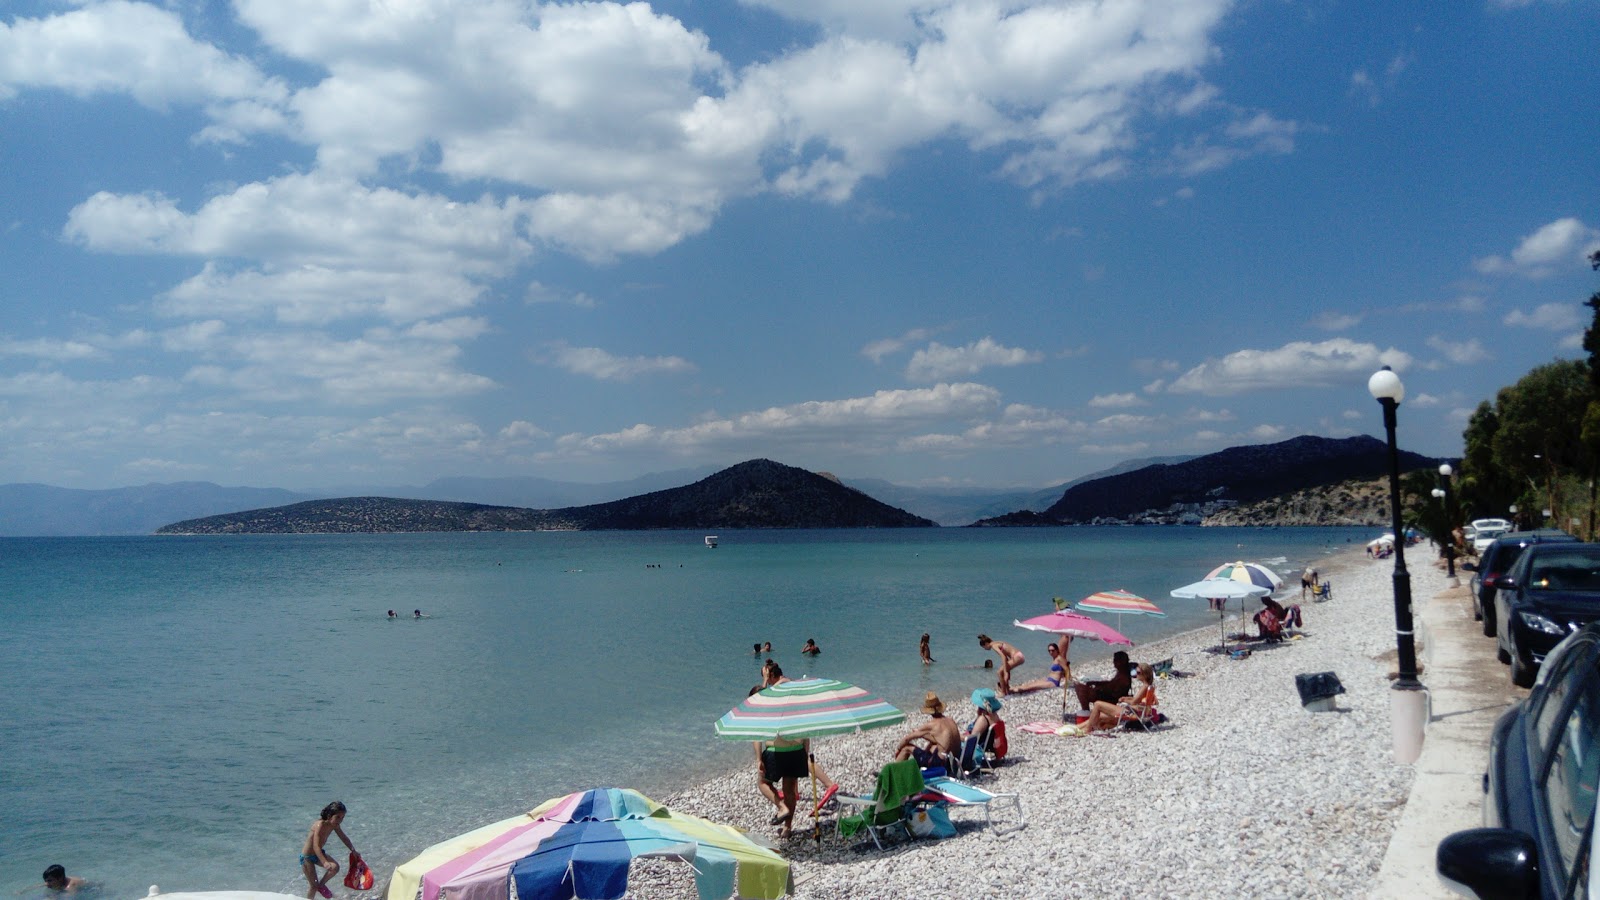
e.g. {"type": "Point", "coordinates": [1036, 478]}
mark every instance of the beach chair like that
{"type": "Point", "coordinates": [1321, 592]}
{"type": "Point", "coordinates": [898, 783]}
{"type": "Point", "coordinates": [961, 795]}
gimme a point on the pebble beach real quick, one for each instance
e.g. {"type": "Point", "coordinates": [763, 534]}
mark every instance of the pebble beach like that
{"type": "Point", "coordinates": [1242, 793]}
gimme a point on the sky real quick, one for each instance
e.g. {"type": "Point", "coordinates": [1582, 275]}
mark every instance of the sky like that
{"type": "Point", "coordinates": [306, 243]}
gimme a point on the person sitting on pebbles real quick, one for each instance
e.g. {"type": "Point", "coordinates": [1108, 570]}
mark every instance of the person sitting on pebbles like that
{"type": "Point", "coordinates": [1108, 691]}
{"type": "Point", "coordinates": [1104, 716]}
{"type": "Point", "coordinates": [935, 740]}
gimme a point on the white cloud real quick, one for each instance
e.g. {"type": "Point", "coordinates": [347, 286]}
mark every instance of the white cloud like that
{"type": "Point", "coordinates": [1547, 317]}
{"type": "Point", "coordinates": [309, 366]}
{"type": "Point", "coordinates": [1329, 321]}
{"type": "Point", "coordinates": [1018, 425]}
{"type": "Point", "coordinates": [1564, 243]}
{"type": "Point", "coordinates": [50, 349]}
{"type": "Point", "coordinates": [936, 361]}
{"type": "Point", "coordinates": [864, 423]}
{"type": "Point", "coordinates": [1338, 361]}
{"type": "Point", "coordinates": [1462, 353]}
{"type": "Point", "coordinates": [597, 363]}
{"type": "Point", "coordinates": [878, 349]}
{"type": "Point", "coordinates": [1266, 433]}
{"type": "Point", "coordinates": [1116, 401]}
{"type": "Point", "coordinates": [326, 249]}
{"type": "Point", "coordinates": [1424, 401]}
{"type": "Point", "coordinates": [541, 293]}
{"type": "Point", "coordinates": [135, 49]}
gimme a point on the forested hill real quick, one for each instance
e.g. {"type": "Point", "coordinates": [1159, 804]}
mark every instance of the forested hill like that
{"type": "Point", "coordinates": [755, 494]}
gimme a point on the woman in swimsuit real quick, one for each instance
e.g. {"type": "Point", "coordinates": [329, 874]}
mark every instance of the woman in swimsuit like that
{"type": "Point", "coordinates": [1059, 674]}
{"type": "Point", "coordinates": [1010, 658]}
{"type": "Point", "coordinates": [313, 853]}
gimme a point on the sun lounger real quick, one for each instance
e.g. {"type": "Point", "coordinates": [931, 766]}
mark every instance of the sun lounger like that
{"type": "Point", "coordinates": [960, 795]}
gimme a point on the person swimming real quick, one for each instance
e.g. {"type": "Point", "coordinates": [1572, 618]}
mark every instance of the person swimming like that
{"type": "Point", "coordinates": [811, 648]}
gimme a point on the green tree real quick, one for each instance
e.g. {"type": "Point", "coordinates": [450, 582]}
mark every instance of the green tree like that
{"type": "Point", "coordinates": [1484, 488]}
{"type": "Point", "coordinates": [1540, 438]}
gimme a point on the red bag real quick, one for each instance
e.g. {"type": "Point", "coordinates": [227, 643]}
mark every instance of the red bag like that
{"type": "Point", "coordinates": [358, 877]}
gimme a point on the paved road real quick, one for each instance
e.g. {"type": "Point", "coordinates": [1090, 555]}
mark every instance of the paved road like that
{"type": "Point", "coordinates": [1468, 689]}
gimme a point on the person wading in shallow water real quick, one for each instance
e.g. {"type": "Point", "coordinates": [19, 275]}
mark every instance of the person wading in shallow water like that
{"type": "Point", "coordinates": [314, 854]}
{"type": "Point", "coordinates": [1010, 658]}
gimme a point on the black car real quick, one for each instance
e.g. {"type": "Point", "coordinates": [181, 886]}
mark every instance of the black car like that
{"type": "Point", "coordinates": [1497, 559]}
{"type": "Point", "coordinates": [1544, 759]}
{"type": "Point", "coordinates": [1552, 591]}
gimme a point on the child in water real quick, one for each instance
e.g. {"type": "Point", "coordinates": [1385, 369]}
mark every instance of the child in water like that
{"type": "Point", "coordinates": [314, 854]}
{"type": "Point", "coordinates": [927, 657]}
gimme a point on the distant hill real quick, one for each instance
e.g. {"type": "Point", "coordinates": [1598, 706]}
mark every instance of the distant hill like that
{"type": "Point", "coordinates": [39, 510]}
{"type": "Point", "coordinates": [539, 493]}
{"type": "Point", "coordinates": [958, 506]}
{"type": "Point", "coordinates": [755, 494]}
{"type": "Point", "coordinates": [1189, 492]}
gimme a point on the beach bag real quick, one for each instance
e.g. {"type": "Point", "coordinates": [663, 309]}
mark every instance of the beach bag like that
{"type": "Point", "coordinates": [932, 821]}
{"type": "Point", "coordinates": [997, 741]}
{"type": "Point", "coordinates": [358, 877]}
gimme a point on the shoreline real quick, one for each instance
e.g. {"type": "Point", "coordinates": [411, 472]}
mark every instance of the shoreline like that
{"type": "Point", "coordinates": [1244, 794]}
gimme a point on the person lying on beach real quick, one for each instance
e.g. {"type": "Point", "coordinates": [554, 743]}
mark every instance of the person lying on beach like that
{"type": "Point", "coordinates": [314, 852]}
{"type": "Point", "coordinates": [927, 657]}
{"type": "Point", "coordinates": [1010, 658]}
{"type": "Point", "coordinates": [935, 740]}
{"type": "Point", "coordinates": [811, 648]}
{"type": "Point", "coordinates": [1059, 674]}
{"type": "Point", "coordinates": [1104, 716]}
{"type": "Point", "coordinates": [1109, 691]}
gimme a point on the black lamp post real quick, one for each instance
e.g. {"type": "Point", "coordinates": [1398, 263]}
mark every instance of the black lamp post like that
{"type": "Point", "coordinates": [1409, 698]}
{"type": "Point", "coordinates": [1450, 522]}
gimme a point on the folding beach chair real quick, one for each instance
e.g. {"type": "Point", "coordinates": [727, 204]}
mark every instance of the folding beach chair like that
{"type": "Point", "coordinates": [898, 782]}
{"type": "Point", "coordinates": [960, 795]}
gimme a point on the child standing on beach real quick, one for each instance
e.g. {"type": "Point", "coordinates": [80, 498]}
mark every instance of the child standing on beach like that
{"type": "Point", "coordinates": [314, 854]}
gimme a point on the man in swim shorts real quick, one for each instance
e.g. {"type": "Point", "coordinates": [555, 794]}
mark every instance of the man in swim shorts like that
{"type": "Point", "coordinates": [935, 740]}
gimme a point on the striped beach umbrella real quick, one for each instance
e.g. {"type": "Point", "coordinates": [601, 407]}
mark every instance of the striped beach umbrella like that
{"type": "Point", "coordinates": [1119, 601]}
{"type": "Point", "coordinates": [581, 845]}
{"type": "Point", "coordinates": [1218, 591]}
{"type": "Point", "coordinates": [1247, 573]}
{"type": "Point", "coordinates": [806, 708]}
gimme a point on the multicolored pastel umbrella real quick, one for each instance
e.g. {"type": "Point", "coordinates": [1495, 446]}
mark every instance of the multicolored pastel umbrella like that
{"type": "Point", "coordinates": [1248, 573]}
{"type": "Point", "coordinates": [806, 708]}
{"type": "Point", "coordinates": [581, 845]}
{"type": "Point", "coordinates": [1219, 591]}
{"type": "Point", "coordinates": [1119, 601]}
{"type": "Point", "coordinates": [1067, 622]}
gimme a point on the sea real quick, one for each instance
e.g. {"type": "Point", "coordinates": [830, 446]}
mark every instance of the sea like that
{"type": "Point", "coordinates": [175, 711]}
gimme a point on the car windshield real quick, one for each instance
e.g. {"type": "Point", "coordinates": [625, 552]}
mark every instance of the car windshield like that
{"type": "Point", "coordinates": [1576, 569]}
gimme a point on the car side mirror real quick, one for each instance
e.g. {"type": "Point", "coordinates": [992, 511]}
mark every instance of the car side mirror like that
{"type": "Point", "coordinates": [1501, 582]}
{"type": "Point", "coordinates": [1490, 863]}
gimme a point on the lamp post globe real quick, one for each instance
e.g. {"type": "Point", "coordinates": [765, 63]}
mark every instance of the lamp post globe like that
{"type": "Point", "coordinates": [1408, 700]}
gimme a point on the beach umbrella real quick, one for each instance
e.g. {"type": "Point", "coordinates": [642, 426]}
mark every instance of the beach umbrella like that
{"type": "Point", "coordinates": [806, 708]}
{"type": "Point", "coordinates": [1119, 601]}
{"type": "Point", "coordinates": [1219, 591]}
{"type": "Point", "coordinates": [580, 845]}
{"type": "Point", "coordinates": [1248, 573]}
{"type": "Point", "coordinates": [1074, 624]}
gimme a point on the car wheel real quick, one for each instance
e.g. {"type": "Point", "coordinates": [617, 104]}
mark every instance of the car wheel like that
{"type": "Point", "coordinates": [1487, 615]}
{"type": "Point", "coordinates": [1521, 673]}
{"type": "Point", "coordinates": [1500, 652]}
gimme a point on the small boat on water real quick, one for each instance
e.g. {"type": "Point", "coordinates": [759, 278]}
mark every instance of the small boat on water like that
{"type": "Point", "coordinates": [711, 542]}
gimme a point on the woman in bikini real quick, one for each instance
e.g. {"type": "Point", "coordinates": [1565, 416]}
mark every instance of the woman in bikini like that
{"type": "Point", "coordinates": [314, 854]}
{"type": "Point", "coordinates": [1010, 658]}
{"type": "Point", "coordinates": [1059, 674]}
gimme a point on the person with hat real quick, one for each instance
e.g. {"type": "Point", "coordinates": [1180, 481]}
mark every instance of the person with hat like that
{"type": "Point", "coordinates": [935, 740]}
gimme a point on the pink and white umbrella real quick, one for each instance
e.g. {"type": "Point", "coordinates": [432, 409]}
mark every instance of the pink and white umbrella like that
{"type": "Point", "coordinates": [1073, 624]}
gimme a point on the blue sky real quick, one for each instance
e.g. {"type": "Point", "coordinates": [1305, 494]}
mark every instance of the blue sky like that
{"type": "Point", "coordinates": [306, 243]}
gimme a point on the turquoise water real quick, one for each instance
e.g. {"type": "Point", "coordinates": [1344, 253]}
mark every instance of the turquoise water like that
{"type": "Point", "coordinates": [176, 710]}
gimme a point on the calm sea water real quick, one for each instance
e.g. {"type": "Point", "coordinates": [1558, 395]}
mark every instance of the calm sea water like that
{"type": "Point", "coordinates": [176, 710]}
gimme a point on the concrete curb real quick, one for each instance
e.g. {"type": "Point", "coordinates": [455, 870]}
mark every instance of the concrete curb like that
{"type": "Point", "coordinates": [1468, 690]}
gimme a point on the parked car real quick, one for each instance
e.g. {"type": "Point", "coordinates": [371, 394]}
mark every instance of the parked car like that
{"type": "Point", "coordinates": [1539, 789]}
{"type": "Point", "coordinates": [1552, 591]}
{"type": "Point", "coordinates": [1497, 559]}
{"type": "Point", "coordinates": [1486, 530]}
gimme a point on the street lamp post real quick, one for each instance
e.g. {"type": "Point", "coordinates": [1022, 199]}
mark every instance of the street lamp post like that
{"type": "Point", "coordinates": [1408, 699]}
{"type": "Point", "coordinates": [1450, 521]}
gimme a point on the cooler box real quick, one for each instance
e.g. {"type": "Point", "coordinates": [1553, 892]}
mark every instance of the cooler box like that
{"type": "Point", "coordinates": [1317, 690]}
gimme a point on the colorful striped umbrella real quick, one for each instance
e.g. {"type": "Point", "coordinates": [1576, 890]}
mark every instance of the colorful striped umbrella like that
{"type": "Point", "coordinates": [1074, 624]}
{"type": "Point", "coordinates": [1248, 573]}
{"type": "Point", "coordinates": [806, 708]}
{"type": "Point", "coordinates": [1119, 601]}
{"type": "Point", "coordinates": [581, 845]}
